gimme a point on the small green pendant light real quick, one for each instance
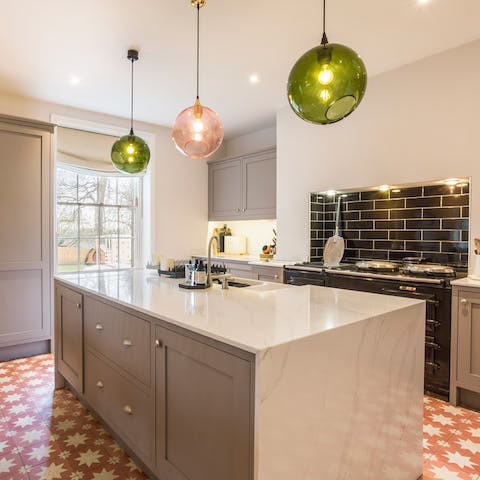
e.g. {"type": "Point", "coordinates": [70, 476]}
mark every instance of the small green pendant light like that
{"type": "Point", "coordinates": [327, 83]}
{"type": "Point", "coordinates": [130, 154]}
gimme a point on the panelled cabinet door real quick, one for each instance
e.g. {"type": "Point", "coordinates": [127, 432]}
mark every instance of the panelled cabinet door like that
{"type": "Point", "coordinates": [468, 369]}
{"type": "Point", "coordinates": [225, 190]}
{"type": "Point", "coordinates": [260, 189]}
{"type": "Point", "coordinates": [69, 335]}
{"type": "Point", "coordinates": [203, 411]}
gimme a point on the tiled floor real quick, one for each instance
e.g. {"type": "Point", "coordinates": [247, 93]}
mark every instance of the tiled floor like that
{"type": "Point", "coordinates": [451, 442]}
{"type": "Point", "coordinates": [48, 435]}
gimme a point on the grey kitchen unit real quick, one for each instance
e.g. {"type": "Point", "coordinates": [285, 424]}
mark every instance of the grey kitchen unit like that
{"type": "Point", "coordinates": [243, 187]}
{"type": "Point", "coordinates": [25, 293]}
{"type": "Point", "coordinates": [181, 403]}
{"type": "Point", "coordinates": [465, 351]}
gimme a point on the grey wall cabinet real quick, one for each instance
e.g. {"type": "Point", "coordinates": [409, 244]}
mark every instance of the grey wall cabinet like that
{"type": "Point", "coordinates": [203, 411]}
{"type": "Point", "coordinates": [243, 187]}
{"type": "Point", "coordinates": [25, 295]}
{"type": "Point", "coordinates": [465, 350]}
{"type": "Point", "coordinates": [69, 335]}
{"type": "Point", "coordinates": [181, 403]}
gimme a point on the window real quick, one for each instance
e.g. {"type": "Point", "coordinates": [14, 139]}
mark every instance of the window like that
{"type": "Point", "coordinates": [97, 218]}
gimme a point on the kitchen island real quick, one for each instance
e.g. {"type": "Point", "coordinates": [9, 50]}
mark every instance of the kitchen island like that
{"type": "Point", "coordinates": [269, 382]}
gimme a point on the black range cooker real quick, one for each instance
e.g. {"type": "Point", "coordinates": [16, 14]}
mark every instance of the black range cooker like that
{"type": "Point", "coordinates": [423, 281]}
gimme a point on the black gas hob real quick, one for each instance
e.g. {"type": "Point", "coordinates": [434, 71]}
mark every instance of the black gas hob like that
{"type": "Point", "coordinates": [429, 284]}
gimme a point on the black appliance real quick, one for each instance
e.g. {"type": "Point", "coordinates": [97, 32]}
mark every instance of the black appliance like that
{"type": "Point", "coordinates": [425, 282]}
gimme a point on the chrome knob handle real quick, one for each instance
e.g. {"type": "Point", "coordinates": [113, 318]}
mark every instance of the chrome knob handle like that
{"type": "Point", "coordinates": [128, 410]}
{"type": "Point", "coordinates": [464, 301]}
{"type": "Point", "coordinates": [158, 343]}
{"type": "Point", "coordinates": [275, 276]}
{"type": "Point", "coordinates": [79, 305]}
{"type": "Point", "coordinates": [99, 327]}
{"type": "Point", "coordinates": [127, 342]}
{"type": "Point", "coordinates": [100, 384]}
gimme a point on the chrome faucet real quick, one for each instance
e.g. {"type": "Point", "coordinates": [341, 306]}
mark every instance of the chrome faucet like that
{"type": "Point", "coordinates": [210, 277]}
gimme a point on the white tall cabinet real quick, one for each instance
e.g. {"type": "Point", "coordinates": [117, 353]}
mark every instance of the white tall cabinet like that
{"type": "Point", "coordinates": [25, 236]}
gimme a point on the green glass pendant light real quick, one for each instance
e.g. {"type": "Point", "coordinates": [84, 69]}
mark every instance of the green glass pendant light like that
{"type": "Point", "coordinates": [327, 83]}
{"type": "Point", "coordinates": [130, 153]}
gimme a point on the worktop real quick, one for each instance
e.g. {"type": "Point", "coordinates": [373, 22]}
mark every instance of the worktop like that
{"type": "Point", "coordinates": [253, 319]}
{"type": "Point", "coordinates": [220, 384]}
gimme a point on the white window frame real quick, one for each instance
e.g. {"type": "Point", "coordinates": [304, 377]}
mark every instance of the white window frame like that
{"type": "Point", "coordinates": [145, 220]}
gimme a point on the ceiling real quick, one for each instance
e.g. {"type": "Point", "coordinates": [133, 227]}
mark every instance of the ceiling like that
{"type": "Point", "coordinates": [44, 44]}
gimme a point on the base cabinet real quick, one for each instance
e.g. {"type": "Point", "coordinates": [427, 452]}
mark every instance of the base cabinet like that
{"type": "Point", "coordinates": [180, 402]}
{"type": "Point", "coordinates": [203, 411]}
{"type": "Point", "coordinates": [465, 341]}
{"type": "Point", "coordinates": [69, 335]}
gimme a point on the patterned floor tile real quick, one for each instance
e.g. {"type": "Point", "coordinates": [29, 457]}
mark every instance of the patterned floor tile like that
{"type": "Point", "coordinates": [46, 434]}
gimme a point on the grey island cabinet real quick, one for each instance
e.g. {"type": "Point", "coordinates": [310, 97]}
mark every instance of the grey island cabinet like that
{"type": "Point", "coordinates": [268, 382]}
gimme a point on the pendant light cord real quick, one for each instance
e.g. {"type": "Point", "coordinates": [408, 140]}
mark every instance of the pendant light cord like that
{"type": "Point", "coordinates": [131, 101]}
{"type": "Point", "coordinates": [198, 50]}
{"type": "Point", "coordinates": [324, 36]}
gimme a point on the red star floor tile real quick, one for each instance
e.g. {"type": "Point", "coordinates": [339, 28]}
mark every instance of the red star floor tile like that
{"type": "Point", "coordinates": [48, 434]}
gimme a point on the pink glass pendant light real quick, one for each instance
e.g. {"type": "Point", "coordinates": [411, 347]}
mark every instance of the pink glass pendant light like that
{"type": "Point", "coordinates": [197, 131]}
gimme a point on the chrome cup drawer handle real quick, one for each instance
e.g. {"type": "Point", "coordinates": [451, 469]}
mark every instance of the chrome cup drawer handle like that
{"type": "Point", "coordinates": [127, 342]}
{"type": "Point", "coordinates": [100, 384]}
{"type": "Point", "coordinates": [128, 410]}
{"type": "Point", "coordinates": [99, 327]}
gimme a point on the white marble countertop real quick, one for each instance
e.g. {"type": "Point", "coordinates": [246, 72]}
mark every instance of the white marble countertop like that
{"type": "Point", "coordinates": [466, 282]}
{"type": "Point", "coordinates": [250, 259]}
{"type": "Point", "coordinates": [253, 319]}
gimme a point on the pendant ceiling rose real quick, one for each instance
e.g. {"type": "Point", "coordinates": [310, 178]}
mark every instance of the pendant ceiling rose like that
{"type": "Point", "coordinates": [130, 153]}
{"type": "Point", "coordinates": [198, 130]}
{"type": "Point", "coordinates": [327, 83]}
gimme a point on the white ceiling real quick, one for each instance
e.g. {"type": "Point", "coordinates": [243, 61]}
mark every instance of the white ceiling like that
{"type": "Point", "coordinates": [42, 44]}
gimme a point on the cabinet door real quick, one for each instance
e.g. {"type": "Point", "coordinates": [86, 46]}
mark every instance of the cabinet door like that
{"type": "Point", "coordinates": [260, 186]}
{"type": "Point", "coordinates": [468, 366]}
{"type": "Point", "coordinates": [69, 335]}
{"type": "Point", "coordinates": [203, 411]}
{"type": "Point", "coordinates": [225, 190]}
{"type": "Point", "coordinates": [25, 239]}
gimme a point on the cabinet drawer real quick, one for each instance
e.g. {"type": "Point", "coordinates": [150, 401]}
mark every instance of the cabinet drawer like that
{"type": "Point", "coordinates": [268, 274]}
{"type": "Point", "coordinates": [121, 337]}
{"type": "Point", "coordinates": [127, 409]}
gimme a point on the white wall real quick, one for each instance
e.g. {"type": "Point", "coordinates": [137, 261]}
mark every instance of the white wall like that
{"type": "Point", "coordinates": [180, 185]}
{"type": "Point", "coordinates": [417, 123]}
{"type": "Point", "coordinates": [251, 142]}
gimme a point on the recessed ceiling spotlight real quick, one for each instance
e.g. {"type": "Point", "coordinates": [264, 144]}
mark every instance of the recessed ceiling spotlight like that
{"type": "Point", "coordinates": [423, 2]}
{"type": "Point", "coordinates": [254, 78]}
{"type": "Point", "coordinates": [74, 80]}
{"type": "Point", "coordinates": [384, 188]}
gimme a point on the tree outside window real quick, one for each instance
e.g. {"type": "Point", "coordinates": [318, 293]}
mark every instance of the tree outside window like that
{"type": "Point", "coordinates": [96, 218]}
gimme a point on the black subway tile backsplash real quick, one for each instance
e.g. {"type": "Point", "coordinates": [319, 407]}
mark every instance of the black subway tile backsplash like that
{"type": "Point", "coordinates": [397, 224]}
{"type": "Point", "coordinates": [406, 213]}
{"type": "Point", "coordinates": [447, 212]}
{"type": "Point", "coordinates": [426, 221]}
{"type": "Point", "coordinates": [374, 214]}
{"type": "Point", "coordinates": [407, 192]}
{"type": "Point", "coordinates": [423, 224]}
{"type": "Point", "coordinates": [455, 200]}
{"type": "Point", "coordinates": [389, 204]}
{"type": "Point", "coordinates": [423, 202]}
